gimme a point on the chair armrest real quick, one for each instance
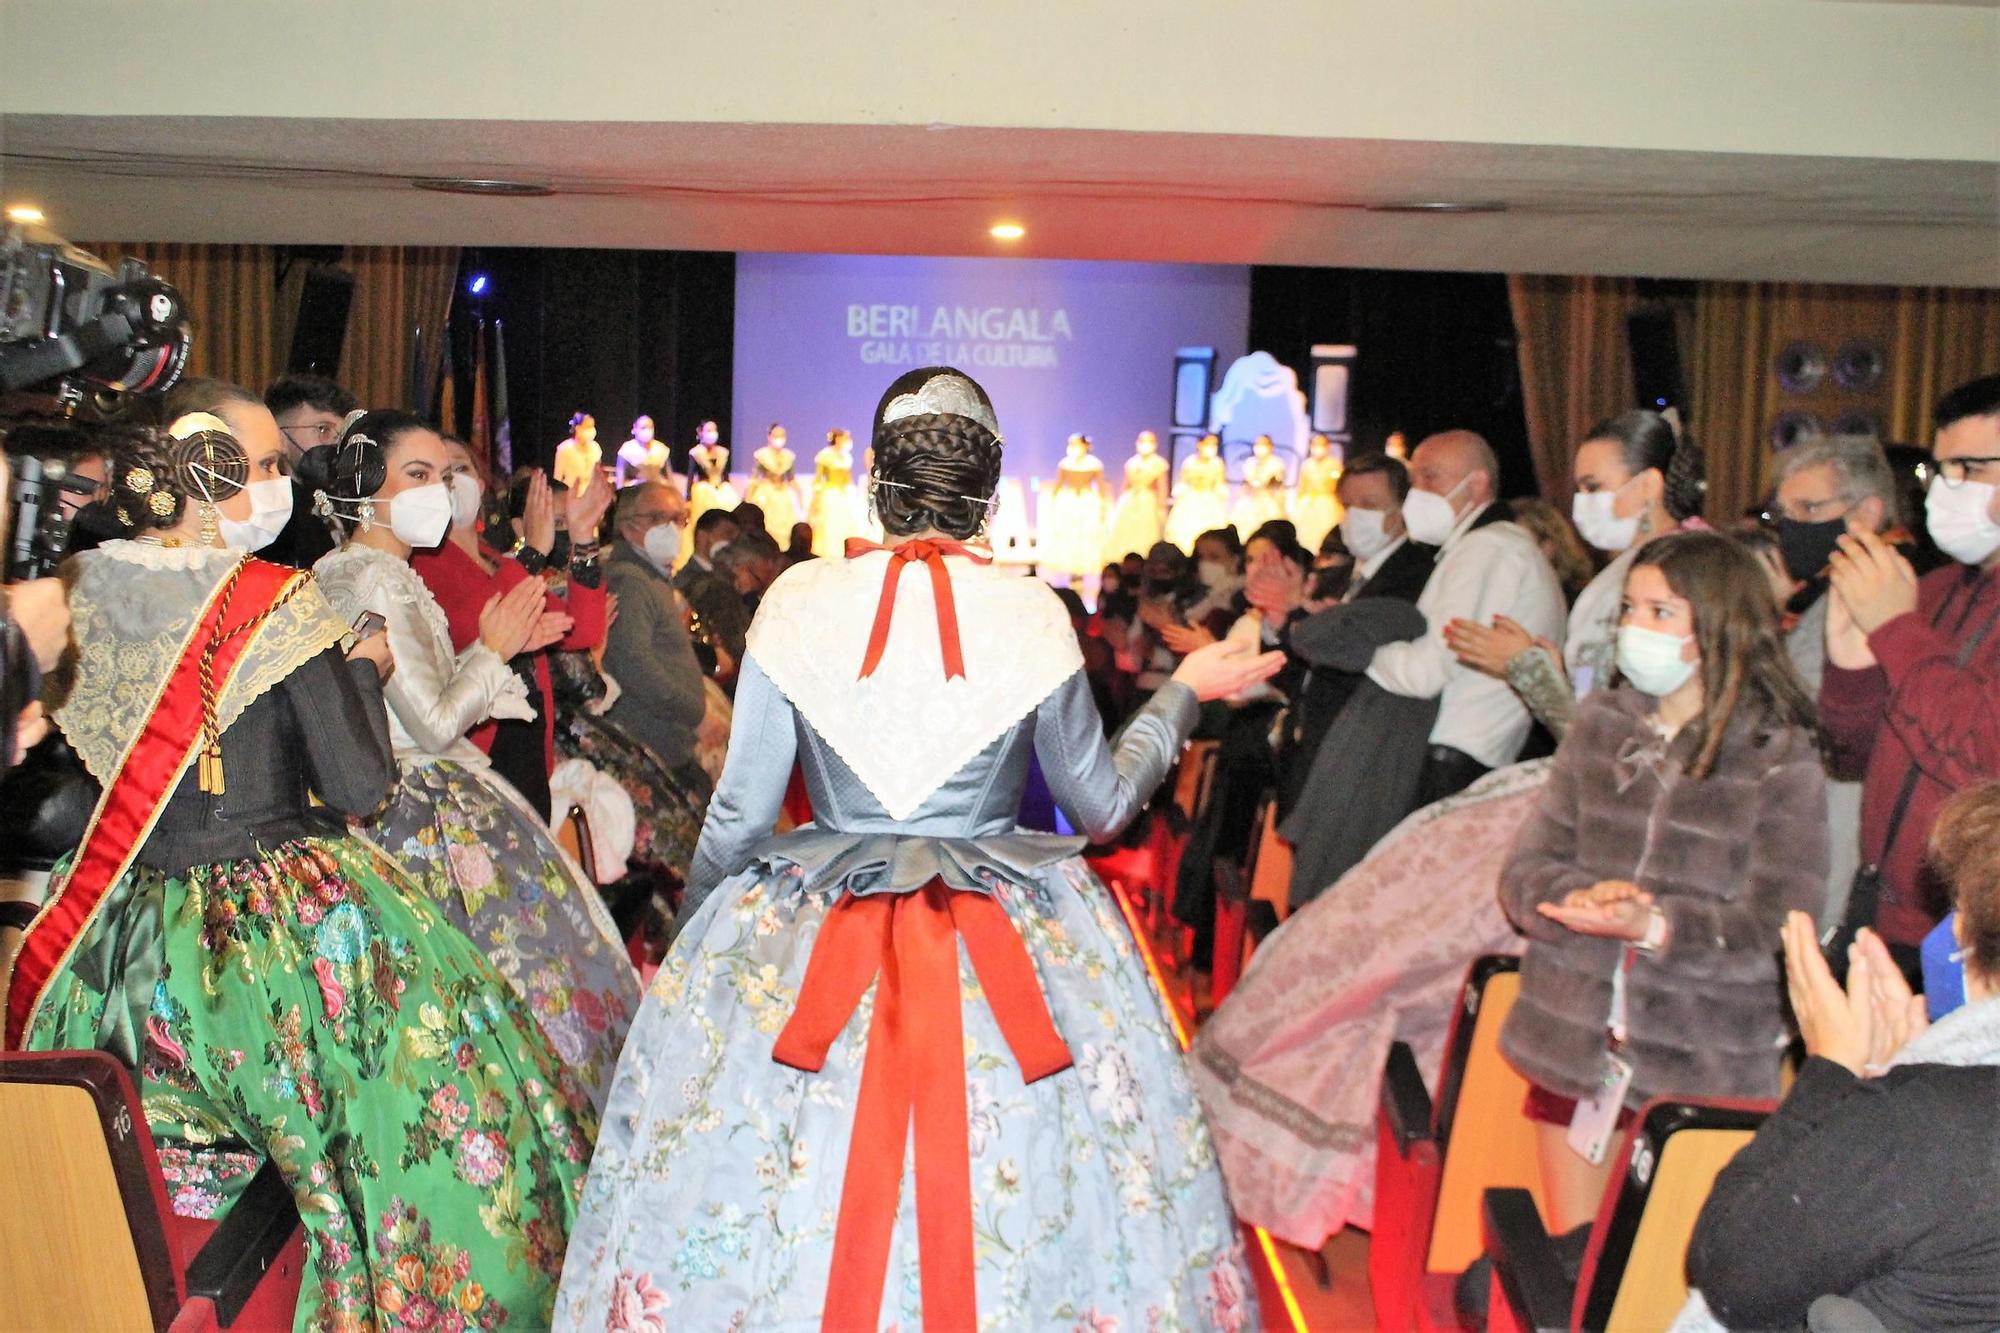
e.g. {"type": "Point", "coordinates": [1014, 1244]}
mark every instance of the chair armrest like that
{"type": "Point", "coordinates": [1406, 1104]}
{"type": "Point", "coordinates": [1524, 1260]}
{"type": "Point", "coordinates": [236, 1256]}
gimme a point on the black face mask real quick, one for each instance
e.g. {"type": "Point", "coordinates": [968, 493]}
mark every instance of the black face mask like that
{"type": "Point", "coordinates": [1808, 546]}
{"type": "Point", "coordinates": [92, 525]}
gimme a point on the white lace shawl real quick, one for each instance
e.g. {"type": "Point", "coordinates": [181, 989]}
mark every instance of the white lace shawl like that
{"type": "Point", "coordinates": [905, 730]}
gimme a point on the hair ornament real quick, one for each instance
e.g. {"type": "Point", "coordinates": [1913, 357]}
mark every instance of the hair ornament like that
{"type": "Point", "coordinates": [943, 395]}
{"type": "Point", "coordinates": [161, 503]}
{"type": "Point", "coordinates": [139, 480]}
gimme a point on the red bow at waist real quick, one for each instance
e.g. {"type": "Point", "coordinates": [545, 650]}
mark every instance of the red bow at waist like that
{"type": "Point", "coordinates": [915, 1063]}
{"type": "Point", "coordinates": [932, 553]}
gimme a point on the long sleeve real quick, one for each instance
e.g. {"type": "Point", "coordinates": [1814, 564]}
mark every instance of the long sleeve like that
{"type": "Point", "coordinates": [649, 654]}
{"type": "Point", "coordinates": [338, 704]}
{"type": "Point", "coordinates": [1851, 704]}
{"type": "Point", "coordinates": [1942, 711]}
{"type": "Point", "coordinates": [437, 699]}
{"type": "Point", "coordinates": [1102, 787]}
{"type": "Point", "coordinates": [1476, 578]}
{"type": "Point", "coordinates": [763, 742]}
{"type": "Point", "coordinates": [1346, 637]}
{"type": "Point", "coordinates": [1787, 869]}
{"type": "Point", "coordinates": [1542, 867]}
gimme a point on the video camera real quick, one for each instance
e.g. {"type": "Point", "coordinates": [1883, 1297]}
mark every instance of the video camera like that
{"type": "Point", "coordinates": [68, 320]}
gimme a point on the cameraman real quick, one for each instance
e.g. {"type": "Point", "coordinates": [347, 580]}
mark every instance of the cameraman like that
{"type": "Point", "coordinates": [34, 629]}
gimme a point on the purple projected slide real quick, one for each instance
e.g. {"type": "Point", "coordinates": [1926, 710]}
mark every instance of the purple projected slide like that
{"type": "Point", "coordinates": [1061, 345]}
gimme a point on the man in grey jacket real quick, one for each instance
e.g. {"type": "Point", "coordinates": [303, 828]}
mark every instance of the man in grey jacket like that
{"type": "Point", "coordinates": [648, 652]}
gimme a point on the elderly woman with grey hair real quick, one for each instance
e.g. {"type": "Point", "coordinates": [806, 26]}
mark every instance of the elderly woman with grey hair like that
{"type": "Point", "coordinates": [1824, 484]}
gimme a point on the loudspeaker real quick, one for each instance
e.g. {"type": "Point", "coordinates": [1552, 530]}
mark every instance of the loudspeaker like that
{"type": "Point", "coordinates": [1656, 359]}
{"type": "Point", "coordinates": [321, 328]}
{"type": "Point", "coordinates": [1332, 375]}
{"type": "Point", "coordinates": [1194, 378]}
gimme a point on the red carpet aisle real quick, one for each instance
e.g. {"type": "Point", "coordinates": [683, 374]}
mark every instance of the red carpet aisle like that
{"type": "Point", "coordinates": [1298, 1292]}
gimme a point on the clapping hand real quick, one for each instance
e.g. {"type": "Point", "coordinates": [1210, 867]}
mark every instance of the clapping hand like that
{"type": "Point", "coordinates": [1861, 1027]}
{"type": "Point", "coordinates": [586, 507]}
{"type": "Point", "coordinates": [1872, 579]}
{"type": "Point", "coordinates": [1184, 639]}
{"type": "Point", "coordinates": [538, 513]}
{"type": "Point", "coordinates": [1490, 649]}
{"type": "Point", "coordinates": [1229, 667]}
{"type": "Point", "coordinates": [1612, 909]}
{"type": "Point", "coordinates": [1274, 585]}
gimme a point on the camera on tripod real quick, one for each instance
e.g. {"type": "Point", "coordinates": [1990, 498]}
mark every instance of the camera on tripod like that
{"type": "Point", "coordinates": [69, 321]}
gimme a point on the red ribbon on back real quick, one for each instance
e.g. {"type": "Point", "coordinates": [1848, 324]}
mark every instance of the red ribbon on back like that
{"type": "Point", "coordinates": [913, 1080]}
{"type": "Point", "coordinates": [932, 553]}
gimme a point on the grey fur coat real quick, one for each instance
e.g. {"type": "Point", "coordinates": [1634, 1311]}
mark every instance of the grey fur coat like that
{"type": "Point", "coordinates": [1726, 858]}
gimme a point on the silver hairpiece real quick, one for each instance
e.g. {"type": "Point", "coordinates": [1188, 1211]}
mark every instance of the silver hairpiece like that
{"type": "Point", "coordinates": [943, 395]}
{"type": "Point", "coordinates": [988, 503]}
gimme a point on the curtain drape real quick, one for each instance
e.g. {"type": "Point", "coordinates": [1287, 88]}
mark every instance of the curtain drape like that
{"type": "Point", "coordinates": [1576, 364]}
{"type": "Point", "coordinates": [243, 317]}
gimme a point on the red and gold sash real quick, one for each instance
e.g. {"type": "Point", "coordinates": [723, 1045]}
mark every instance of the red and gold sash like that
{"type": "Point", "coordinates": [146, 776]}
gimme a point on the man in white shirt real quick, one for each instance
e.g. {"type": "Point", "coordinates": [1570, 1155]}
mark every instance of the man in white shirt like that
{"type": "Point", "coordinates": [1486, 566]}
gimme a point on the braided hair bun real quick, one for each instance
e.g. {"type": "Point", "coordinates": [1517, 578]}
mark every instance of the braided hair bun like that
{"type": "Point", "coordinates": [344, 474]}
{"type": "Point", "coordinates": [1655, 440]}
{"type": "Point", "coordinates": [147, 492]}
{"type": "Point", "coordinates": [937, 454]}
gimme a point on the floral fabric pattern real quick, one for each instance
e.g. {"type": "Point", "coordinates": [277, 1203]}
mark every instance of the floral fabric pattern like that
{"type": "Point", "coordinates": [712, 1200]}
{"type": "Point", "coordinates": [494, 872]}
{"type": "Point", "coordinates": [311, 1007]}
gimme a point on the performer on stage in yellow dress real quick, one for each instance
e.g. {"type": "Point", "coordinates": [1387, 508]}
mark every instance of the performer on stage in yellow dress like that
{"type": "Point", "coordinates": [1140, 518]}
{"type": "Point", "coordinates": [1315, 506]}
{"type": "Point", "coordinates": [708, 461]}
{"type": "Point", "coordinates": [1072, 514]}
{"type": "Point", "coordinates": [1201, 498]}
{"type": "Point", "coordinates": [833, 513]}
{"type": "Point", "coordinates": [1263, 495]}
{"type": "Point", "coordinates": [773, 488]}
{"type": "Point", "coordinates": [641, 458]}
{"type": "Point", "coordinates": [579, 457]}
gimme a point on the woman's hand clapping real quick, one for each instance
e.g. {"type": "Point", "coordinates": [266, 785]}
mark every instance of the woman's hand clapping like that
{"type": "Point", "coordinates": [1229, 667]}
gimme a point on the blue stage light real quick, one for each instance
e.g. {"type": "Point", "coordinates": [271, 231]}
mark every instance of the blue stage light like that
{"type": "Point", "coordinates": [478, 284]}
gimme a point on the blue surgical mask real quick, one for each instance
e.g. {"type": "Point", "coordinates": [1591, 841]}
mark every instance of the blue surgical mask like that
{"type": "Point", "coordinates": [1943, 960]}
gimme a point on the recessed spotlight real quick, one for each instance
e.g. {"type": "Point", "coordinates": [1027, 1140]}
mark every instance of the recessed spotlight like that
{"type": "Point", "coordinates": [477, 185]}
{"type": "Point", "coordinates": [1441, 206]}
{"type": "Point", "coordinates": [1008, 231]}
{"type": "Point", "coordinates": [27, 214]}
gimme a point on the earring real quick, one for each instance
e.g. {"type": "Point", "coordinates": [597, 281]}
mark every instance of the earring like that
{"type": "Point", "coordinates": [367, 515]}
{"type": "Point", "coordinates": [209, 526]}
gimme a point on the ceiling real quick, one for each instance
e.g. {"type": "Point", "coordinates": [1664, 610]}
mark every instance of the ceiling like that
{"type": "Point", "coordinates": [1755, 139]}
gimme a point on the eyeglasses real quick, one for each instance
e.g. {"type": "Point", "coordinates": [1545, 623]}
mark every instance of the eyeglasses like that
{"type": "Point", "coordinates": [1806, 511]}
{"type": "Point", "coordinates": [319, 433]}
{"type": "Point", "coordinates": [1958, 471]}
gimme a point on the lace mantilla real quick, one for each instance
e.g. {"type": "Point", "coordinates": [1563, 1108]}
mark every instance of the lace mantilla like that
{"type": "Point", "coordinates": [134, 606]}
{"type": "Point", "coordinates": [905, 730]}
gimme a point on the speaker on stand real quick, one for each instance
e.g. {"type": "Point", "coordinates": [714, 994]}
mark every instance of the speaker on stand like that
{"type": "Point", "coordinates": [1332, 385]}
{"type": "Point", "coordinates": [319, 331]}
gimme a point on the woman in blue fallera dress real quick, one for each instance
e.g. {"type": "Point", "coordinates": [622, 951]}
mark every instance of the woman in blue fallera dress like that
{"type": "Point", "coordinates": [911, 966]}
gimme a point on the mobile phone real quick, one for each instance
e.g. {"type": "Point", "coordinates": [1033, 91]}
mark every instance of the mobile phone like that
{"type": "Point", "coordinates": [368, 623]}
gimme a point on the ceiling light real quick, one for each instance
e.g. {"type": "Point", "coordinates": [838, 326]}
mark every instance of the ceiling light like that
{"type": "Point", "coordinates": [1008, 231]}
{"type": "Point", "coordinates": [1440, 206]}
{"type": "Point", "coordinates": [27, 214]}
{"type": "Point", "coordinates": [478, 185]}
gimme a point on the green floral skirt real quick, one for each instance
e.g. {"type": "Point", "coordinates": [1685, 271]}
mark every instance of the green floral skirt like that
{"type": "Point", "coordinates": [308, 1005]}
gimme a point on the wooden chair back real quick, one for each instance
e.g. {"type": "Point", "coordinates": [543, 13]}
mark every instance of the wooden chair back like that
{"type": "Point", "coordinates": [1486, 1139]}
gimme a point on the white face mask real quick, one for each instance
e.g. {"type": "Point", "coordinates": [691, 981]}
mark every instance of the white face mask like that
{"type": "Point", "coordinates": [1652, 660]}
{"type": "Point", "coordinates": [270, 510]}
{"type": "Point", "coordinates": [1364, 533]}
{"type": "Point", "coordinates": [1429, 517]}
{"type": "Point", "coordinates": [421, 516]}
{"type": "Point", "coordinates": [662, 545]}
{"type": "Point", "coordinates": [464, 499]}
{"type": "Point", "coordinates": [1212, 573]}
{"type": "Point", "coordinates": [1595, 519]}
{"type": "Point", "coordinates": [1960, 520]}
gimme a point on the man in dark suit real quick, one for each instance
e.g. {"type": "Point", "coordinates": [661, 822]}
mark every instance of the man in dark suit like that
{"type": "Point", "coordinates": [1386, 564]}
{"type": "Point", "coordinates": [725, 619]}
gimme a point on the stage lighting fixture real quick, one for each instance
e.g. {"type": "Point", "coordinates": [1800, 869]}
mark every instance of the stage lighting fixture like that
{"type": "Point", "coordinates": [26, 214]}
{"type": "Point", "coordinates": [478, 284]}
{"type": "Point", "coordinates": [1008, 231]}
{"type": "Point", "coordinates": [475, 185]}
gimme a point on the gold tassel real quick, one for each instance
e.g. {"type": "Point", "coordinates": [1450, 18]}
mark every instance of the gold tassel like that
{"type": "Point", "coordinates": [209, 770]}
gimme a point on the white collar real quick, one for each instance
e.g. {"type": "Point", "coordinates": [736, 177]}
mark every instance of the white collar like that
{"type": "Point", "coordinates": [151, 555]}
{"type": "Point", "coordinates": [1366, 569]}
{"type": "Point", "coordinates": [1464, 524]}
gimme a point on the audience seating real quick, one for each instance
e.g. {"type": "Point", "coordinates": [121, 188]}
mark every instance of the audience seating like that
{"type": "Point", "coordinates": [1436, 1158]}
{"type": "Point", "coordinates": [1633, 1275]}
{"type": "Point", "coordinates": [87, 1239]}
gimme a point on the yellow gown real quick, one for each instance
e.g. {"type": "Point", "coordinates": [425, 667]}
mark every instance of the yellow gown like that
{"type": "Point", "coordinates": [711, 488]}
{"type": "Point", "coordinates": [775, 490]}
{"type": "Point", "coordinates": [1201, 501]}
{"type": "Point", "coordinates": [1070, 538]}
{"type": "Point", "coordinates": [1263, 495]}
{"type": "Point", "coordinates": [1140, 518]}
{"type": "Point", "coordinates": [1316, 503]}
{"type": "Point", "coordinates": [832, 512]}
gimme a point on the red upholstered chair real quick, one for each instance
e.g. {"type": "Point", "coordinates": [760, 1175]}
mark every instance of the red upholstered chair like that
{"type": "Point", "coordinates": [87, 1239]}
{"type": "Point", "coordinates": [1634, 1270]}
{"type": "Point", "coordinates": [1435, 1159]}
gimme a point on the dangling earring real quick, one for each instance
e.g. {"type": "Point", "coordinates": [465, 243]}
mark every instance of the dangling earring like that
{"type": "Point", "coordinates": [367, 515]}
{"type": "Point", "coordinates": [209, 526]}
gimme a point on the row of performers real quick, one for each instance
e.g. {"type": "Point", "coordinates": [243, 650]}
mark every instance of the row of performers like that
{"type": "Point", "coordinates": [1082, 526]}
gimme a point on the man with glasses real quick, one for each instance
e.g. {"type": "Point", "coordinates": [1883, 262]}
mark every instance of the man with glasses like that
{"type": "Point", "coordinates": [647, 651]}
{"type": "Point", "coordinates": [1911, 695]}
{"type": "Point", "coordinates": [310, 410]}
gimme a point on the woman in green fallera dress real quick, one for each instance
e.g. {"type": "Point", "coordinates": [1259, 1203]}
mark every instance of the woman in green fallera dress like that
{"type": "Point", "coordinates": [276, 986]}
